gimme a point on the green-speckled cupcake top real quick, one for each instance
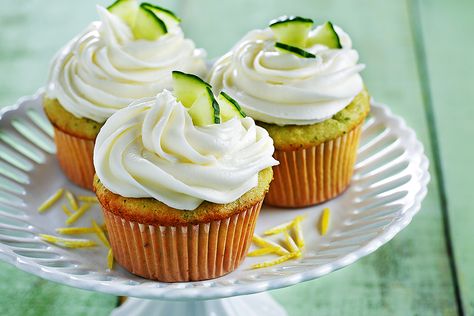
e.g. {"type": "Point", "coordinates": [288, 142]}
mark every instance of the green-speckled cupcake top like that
{"type": "Point", "coordinates": [68, 123]}
{"type": "Point", "coordinates": [290, 137]}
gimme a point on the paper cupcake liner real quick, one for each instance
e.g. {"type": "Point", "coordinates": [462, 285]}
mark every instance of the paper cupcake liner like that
{"type": "Point", "coordinates": [75, 157]}
{"type": "Point", "coordinates": [313, 175]}
{"type": "Point", "coordinates": [182, 253]}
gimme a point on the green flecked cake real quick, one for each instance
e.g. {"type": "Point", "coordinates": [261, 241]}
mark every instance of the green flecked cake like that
{"type": "Point", "coordinates": [152, 212]}
{"type": "Point", "coordinates": [68, 123]}
{"type": "Point", "coordinates": [292, 137]}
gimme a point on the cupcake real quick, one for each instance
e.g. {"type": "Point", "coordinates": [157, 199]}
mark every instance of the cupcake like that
{"type": "Point", "coordinates": [128, 54]}
{"type": "Point", "coordinates": [303, 86]}
{"type": "Point", "coordinates": [181, 178]}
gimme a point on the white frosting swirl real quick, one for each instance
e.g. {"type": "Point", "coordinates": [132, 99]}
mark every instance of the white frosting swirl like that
{"type": "Point", "coordinates": [105, 68]}
{"type": "Point", "coordinates": [152, 149]}
{"type": "Point", "coordinates": [282, 88]}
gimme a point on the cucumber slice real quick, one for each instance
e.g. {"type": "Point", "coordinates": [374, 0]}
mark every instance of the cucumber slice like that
{"type": "Point", "coordinates": [125, 9]}
{"type": "Point", "coordinates": [167, 16]}
{"type": "Point", "coordinates": [229, 107]}
{"type": "Point", "coordinates": [147, 25]}
{"type": "Point", "coordinates": [188, 87]}
{"type": "Point", "coordinates": [291, 30]}
{"type": "Point", "coordinates": [326, 35]}
{"type": "Point", "coordinates": [294, 50]}
{"type": "Point", "coordinates": [205, 110]}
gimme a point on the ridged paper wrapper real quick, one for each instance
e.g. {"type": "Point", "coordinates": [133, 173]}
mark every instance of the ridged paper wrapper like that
{"type": "Point", "coordinates": [315, 174]}
{"type": "Point", "coordinates": [75, 156]}
{"type": "Point", "coordinates": [190, 252]}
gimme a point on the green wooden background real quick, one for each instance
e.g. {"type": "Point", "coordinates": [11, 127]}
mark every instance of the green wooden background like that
{"type": "Point", "coordinates": [420, 61]}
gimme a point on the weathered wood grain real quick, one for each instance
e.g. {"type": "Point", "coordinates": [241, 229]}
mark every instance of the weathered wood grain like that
{"type": "Point", "coordinates": [23, 294]}
{"type": "Point", "coordinates": [447, 51]}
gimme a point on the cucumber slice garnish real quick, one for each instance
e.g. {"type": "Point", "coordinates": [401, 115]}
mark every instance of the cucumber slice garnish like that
{"type": "Point", "coordinates": [167, 16]}
{"type": "Point", "coordinates": [147, 25]}
{"type": "Point", "coordinates": [326, 35]}
{"type": "Point", "coordinates": [229, 107]}
{"type": "Point", "coordinates": [125, 9]}
{"type": "Point", "coordinates": [188, 87]}
{"type": "Point", "coordinates": [291, 30]}
{"type": "Point", "coordinates": [205, 110]}
{"type": "Point", "coordinates": [294, 50]}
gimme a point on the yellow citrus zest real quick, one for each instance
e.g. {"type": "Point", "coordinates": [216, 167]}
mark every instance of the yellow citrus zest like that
{"type": "Point", "coordinates": [66, 210]}
{"type": "Point", "coordinates": [75, 216]}
{"type": "Point", "coordinates": [72, 200]}
{"type": "Point", "coordinates": [324, 221]}
{"type": "Point", "coordinates": [263, 251]}
{"type": "Point", "coordinates": [50, 201]}
{"type": "Point", "coordinates": [89, 199]}
{"type": "Point", "coordinates": [259, 241]}
{"type": "Point", "coordinates": [75, 230]}
{"type": "Point", "coordinates": [278, 229]}
{"type": "Point", "coordinates": [110, 259]}
{"type": "Point", "coordinates": [299, 239]}
{"type": "Point", "coordinates": [290, 243]}
{"type": "Point", "coordinates": [100, 233]}
{"type": "Point", "coordinates": [68, 242]}
{"type": "Point", "coordinates": [277, 261]}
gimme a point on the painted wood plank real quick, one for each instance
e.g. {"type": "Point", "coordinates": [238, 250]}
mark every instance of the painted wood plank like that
{"type": "Point", "coordinates": [446, 44]}
{"type": "Point", "coordinates": [410, 275]}
{"type": "Point", "coordinates": [25, 295]}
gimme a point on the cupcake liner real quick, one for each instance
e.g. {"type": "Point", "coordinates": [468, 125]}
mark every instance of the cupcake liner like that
{"type": "Point", "coordinates": [75, 157]}
{"type": "Point", "coordinates": [313, 175]}
{"type": "Point", "coordinates": [182, 253]}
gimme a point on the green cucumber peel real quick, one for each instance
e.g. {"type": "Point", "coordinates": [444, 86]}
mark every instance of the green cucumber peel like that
{"type": "Point", "coordinates": [286, 19]}
{"type": "Point", "coordinates": [188, 87]}
{"type": "Point", "coordinates": [205, 110]}
{"type": "Point", "coordinates": [291, 30]}
{"type": "Point", "coordinates": [125, 9]}
{"type": "Point", "coordinates": [326, 35]}
{"type": "Point", "coordinates": [229, 107]}
{"type": "Point", "coordinates": [294, 50]}
{"type": "Point", "coordinates": [162, 10]}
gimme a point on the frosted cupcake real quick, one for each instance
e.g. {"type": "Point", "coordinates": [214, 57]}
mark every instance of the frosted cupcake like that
{"type": "Point", "coordinates": [128, 54]}
{"type": "Point", "coordinates": [303, 86]}
{"type": "Point", "coordinates": [181, 179]}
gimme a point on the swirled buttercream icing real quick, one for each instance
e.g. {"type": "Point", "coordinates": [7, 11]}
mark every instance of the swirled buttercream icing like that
{"type": "Point", "coordinates": [281, 88]}
{"type": "Point", "coordinates": [152, 149]}
{"type": "Point", "coordinates": [104, 68]}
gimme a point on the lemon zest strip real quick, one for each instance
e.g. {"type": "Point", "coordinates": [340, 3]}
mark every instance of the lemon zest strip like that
{"type": "Point", "coordinates": [75, 230]}
{"type": "Point", "coordinates": [259, 241]}
{"type": "Point", "coordinates": [72, 200]}
{"type": "Point", "coordinates": [324, 221]}
{"type": "Point", "coordinates": [110, 259]}
{"type": "Point", "coordinates": [290, 243]}
{"type": "Point", "coordinates": [276, 261]}
{"type": "Point", "coordinates": [68, 242]}
{"type": "Point", "coordinates": [66, 210]}
{"type": "Point", "coordinates": [299, 239]}
{"type": "Point", "coordinates": [89, 199]}
{"type": "Point", "coordinates": [75, 216]}
{"type": "Point", "coordinates": [278, 229]}
{"type": "Point", "coordinates": [51, 200]}
{"type": "Point", "coordinates": [262, 251]}
{"type": "Point", "coordinates": [100, 233]}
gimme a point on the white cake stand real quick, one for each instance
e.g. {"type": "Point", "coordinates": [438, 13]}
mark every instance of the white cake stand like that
{"type": "Point", "coordinates": [389, 183]}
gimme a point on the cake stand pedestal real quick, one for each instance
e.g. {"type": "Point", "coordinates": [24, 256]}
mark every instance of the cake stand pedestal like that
{"type": "Point", "coordinates": [249, 305]}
